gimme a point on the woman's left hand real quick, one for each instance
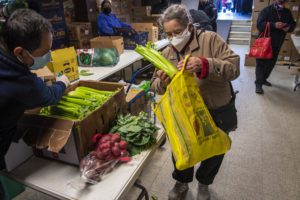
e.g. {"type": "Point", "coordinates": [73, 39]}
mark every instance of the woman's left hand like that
{"type": "Point", "coordinates": [194, 64]}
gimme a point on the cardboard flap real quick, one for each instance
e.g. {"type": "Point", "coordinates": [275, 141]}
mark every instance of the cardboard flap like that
{"type": "Point", "coordinates": [45, 132]}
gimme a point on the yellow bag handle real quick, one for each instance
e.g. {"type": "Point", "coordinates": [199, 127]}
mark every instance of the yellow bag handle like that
{"type": "Point", "coordinates": [186, 59]}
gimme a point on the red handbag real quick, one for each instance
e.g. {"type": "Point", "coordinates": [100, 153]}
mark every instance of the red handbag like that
{"type": "Point", "coordinates": [262, 48]}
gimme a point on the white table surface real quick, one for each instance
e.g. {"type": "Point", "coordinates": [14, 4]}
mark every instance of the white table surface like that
{"type": "Point", "coordinates": [127, 58]}
{"type": "Point", "coordinates": [57, 179]}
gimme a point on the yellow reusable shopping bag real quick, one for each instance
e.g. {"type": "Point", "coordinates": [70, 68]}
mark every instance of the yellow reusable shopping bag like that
{"type": "Point", "coordinates": [192, 133]}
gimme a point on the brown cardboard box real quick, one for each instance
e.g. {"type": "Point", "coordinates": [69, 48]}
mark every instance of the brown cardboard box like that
{"type": "Point", "coordinates": [284, 55]}
{"type": "Point", "coordinates": [249, 61]}
{"type": "Point", "coordinates": [136, 101]}
{"type": "Point", "coordinates": [126, 6]}
{"type": "Point", "coordinates": [81, 44]}
{"type": "Point", "coordinates": [255, 16]}
{"type": "Point", "coordinates": [68, 140]}
{"type": "Point", "coordinates": [116, 7]}
{"type": "Point", "coordinates": [108, 42]}
{"type": "Point", "coordinates": [254, 30]}
{"type": "Point", "coordinates": [260, 4]}
{"type": "Point", "coordinates": [79, 30]}
{"type": "Point", "coordinates": [69, 15]}
{"type": "Point", "coordinates": [141, 10]}
{"type": "Point", "coordinates": [294, 54]}
{"type": "Point", "coordinates": [147, 27]}
{"type": "Point", "coordinates": [286, 45]}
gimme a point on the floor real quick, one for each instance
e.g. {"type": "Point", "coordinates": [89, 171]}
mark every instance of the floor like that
{"type": "Point", "coordinates": [264, 161]}
{"type": "Point", "coordinates": [233, 16]}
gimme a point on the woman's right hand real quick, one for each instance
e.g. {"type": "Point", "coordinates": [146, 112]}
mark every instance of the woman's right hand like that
{"type": "Point", "coordinates": [165, 79]}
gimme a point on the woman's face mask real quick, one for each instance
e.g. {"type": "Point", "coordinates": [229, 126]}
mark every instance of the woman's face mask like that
{"type": "Point", "coordinates": [41, 61]}
{"type": "Point", "coordinates": [179, 41]}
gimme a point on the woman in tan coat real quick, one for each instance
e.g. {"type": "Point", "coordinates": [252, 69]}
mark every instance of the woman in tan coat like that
{"type": "Point", "coordinates": [214, 65]}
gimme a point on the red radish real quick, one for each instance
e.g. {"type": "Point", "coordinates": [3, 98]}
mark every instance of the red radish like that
{"type": "Point", "coordinates": [100, 155]}
{"type": "Point", "coordinates": [115, 138]}
{"type": "Point", "coordinates": [96, 138]}
{"type": "Point", "coordinates": [106, 152]}
{"type": "Point", "coordinates": [123, 144]}
{"type": "Point", "coordinates": [105, 145]}
{"type": "Point", "coordinates": [116, 144]}
{"type": "Point", "coordinates": [116, 151]}
{"type": "Point", "coordinates": [105, 138]}
{"type": "Point", "coordinates": [124, 152]}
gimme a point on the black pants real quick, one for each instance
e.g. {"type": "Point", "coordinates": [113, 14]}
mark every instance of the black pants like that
{"type": "Point", "coordinates": [264, 67]}
{"type": "Point", "coordinates": [2, 195]}
{"type": "Point", "coordinates": [206, 172]}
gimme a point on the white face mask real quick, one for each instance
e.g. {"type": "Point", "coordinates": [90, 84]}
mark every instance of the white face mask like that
{"type": "Point", "coordinates": [181, 40]}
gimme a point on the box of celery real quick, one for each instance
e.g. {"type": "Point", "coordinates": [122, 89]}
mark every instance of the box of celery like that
{"type": "Point", "coordinates": [63, 131]}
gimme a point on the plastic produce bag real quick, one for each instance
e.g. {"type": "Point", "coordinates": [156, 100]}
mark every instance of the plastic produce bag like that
{"type": "Point", "coordinates": [109, 151]}
{"type": "Point", "coordinates": [192, 133]}
{"type": "Point", "coordinates": [97, 57]}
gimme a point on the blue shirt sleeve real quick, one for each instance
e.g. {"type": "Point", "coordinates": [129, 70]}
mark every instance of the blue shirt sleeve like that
{"type": "Point", "coordinates": [103, 27]}
{"type": "Point", "coordinates": [42, 95]}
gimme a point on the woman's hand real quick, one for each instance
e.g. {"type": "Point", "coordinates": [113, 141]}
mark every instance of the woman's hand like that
{"type": "Point", "coordinates": [165, 79]}
{"type": "Point", "coordinates": [194, 64]}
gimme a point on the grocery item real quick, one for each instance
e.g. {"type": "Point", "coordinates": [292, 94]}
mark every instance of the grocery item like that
{"type": "Point", "coordinates": [78, 104]}
{"type": "Point", "coordinates": [97, 57]}
{"type": "Point", "coordinates": [109, 150]}
{"type": "Point", "coordinates": [160, 62]}
{"type": "Point", "coordinates": [139, 131]}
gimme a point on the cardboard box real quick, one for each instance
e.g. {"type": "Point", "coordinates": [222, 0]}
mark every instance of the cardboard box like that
{"type": "Point", "coordinates": [260, 4]}
{"type": "Point", "coordinates": [64, 61]}
{"type": "Point", "coordinates": [55, 17]}
{"type": "Point", "coordinates": [249, 61]}
{"type": "Point", "coordinates": [294, 54]}
{"type": "Point", "coordinates": [69, 15]}
{"type": "Point", "coordinates": [59, 31]}
{"type": "Point", "coordinates": [284, 55]}
{"type": "Point", "coordinates": [254, 30]}
{"type": "Point", "coordinates": [81, 44]}
{"type": "Point", "coordinates": [147, 27]}
{"type": "Point", "coordinates": [255, 16]}
{"type": "Point", "coordinates": [125, 18]}
{"type": "Point", "coordinates": [136, 100]}
{"type": "Point", "coordinates": [68, 140]}
{"type": "Point", "coordinates": [115, 7]}
{"type": "Point", "coordinates": [125, 6]}
{"type": "Point", "coordinates": [286, 45]}
{"type": "Point", "coordinates": [108, 42]}
{"type": "Point", "coordinates": [80, 30]}
{"type": "Point", "coordinates": [141, 10]}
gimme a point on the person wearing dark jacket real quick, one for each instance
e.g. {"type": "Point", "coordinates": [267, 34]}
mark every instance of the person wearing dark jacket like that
{"type": "Point", "coordinates": [281, 22]}
{"type": "Point", "coordinates": [108, 21]}
{"type": "Point", "coordinates": [25, 46]}
{"type": "Point", "coordinates": [211, 12]}
{"type": "Point", "coordinates": [201, 20]}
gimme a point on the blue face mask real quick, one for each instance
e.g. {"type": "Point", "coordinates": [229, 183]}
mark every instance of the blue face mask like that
{"type": "Point", "coordinates": [40, 62]}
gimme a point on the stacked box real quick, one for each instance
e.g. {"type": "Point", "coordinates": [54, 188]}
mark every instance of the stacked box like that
{"type": "Point", "coordinates": [53, 11]}
{"type": "Point", "coordinates": [80, 34]}
{"type": "Point", "coordinates": [260, 4]}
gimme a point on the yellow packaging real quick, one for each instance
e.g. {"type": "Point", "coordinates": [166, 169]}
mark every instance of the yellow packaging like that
{"type": "Point", "coordinates": [64, 61]}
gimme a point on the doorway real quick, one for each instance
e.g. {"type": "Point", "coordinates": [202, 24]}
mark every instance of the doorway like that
{"type": "Point", "coordinates": [234, 9]}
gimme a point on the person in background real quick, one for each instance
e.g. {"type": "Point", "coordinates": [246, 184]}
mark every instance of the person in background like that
{"type": "Point", "coordinates": [25, 46]}
{"type": "Point", "coordinates": [214, 65]}
{"type": "Point", "coordinates": [281, 22]}
{"type": "Point", "coordinates": [108, 21]}
{"type": "Point", "coordinates": [201, 20]}
{"type": "Point", "coordinates": [211, 12]}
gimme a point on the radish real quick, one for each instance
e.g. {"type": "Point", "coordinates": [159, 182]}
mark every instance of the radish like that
{"type": "Point", "coordinates": [105, 138]}
{"type": "Point", "coordinates": [115, 137]}
{"type": "Point", "coordinates": [116, 144]}
{"type": "Point", "coordinates": [123, 144]}
{"type": "Point", "coordinates": [96, 138]}
{"type": "Point", "coordinates": [106, 151]}
{"type": "Point", "coordinates": [100, 155]}
{"type": "Point", "coordinates": [124, 153]}
{"type": "Point", "coordinates": [116, 151]}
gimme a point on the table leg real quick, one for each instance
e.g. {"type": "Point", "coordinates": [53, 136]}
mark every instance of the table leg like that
{"type": "Point", "coordinates": [144, 192]}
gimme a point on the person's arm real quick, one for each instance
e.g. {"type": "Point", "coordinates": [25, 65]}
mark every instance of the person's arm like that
{"type": "Point", "coordinates": [104, 27]}
{"type": "Point", "coordinates": [123, 24]}
{"type": "Point", "coordinates": [291, 22]}
{"type": "Point", "coordinates": [224, 65]}
{"type": "Point", "coordinates": [42, 95]}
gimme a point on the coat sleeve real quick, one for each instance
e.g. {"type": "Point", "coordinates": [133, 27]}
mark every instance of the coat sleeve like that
{"type": "Point", "coordinates": [104, 27]}
{"type": "Point", "coordinates": [42, 95]}
{"type": "Point", "coordinates": [291, 21]}
{"type": "Point", "coordinates": [225, 64]}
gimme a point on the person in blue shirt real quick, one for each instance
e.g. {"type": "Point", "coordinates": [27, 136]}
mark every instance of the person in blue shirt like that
{"type": "Point", "coordinates": [108, 21]}
{"type": "Point", "coordinates": [25, 45]}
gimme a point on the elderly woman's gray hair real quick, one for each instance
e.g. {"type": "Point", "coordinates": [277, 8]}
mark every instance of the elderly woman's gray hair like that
{"type": "Point", "coordinates": [177, 12]}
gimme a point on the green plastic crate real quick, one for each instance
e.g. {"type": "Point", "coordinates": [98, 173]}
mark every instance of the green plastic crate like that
{"type": "Point", "coordinates": [11, 188]}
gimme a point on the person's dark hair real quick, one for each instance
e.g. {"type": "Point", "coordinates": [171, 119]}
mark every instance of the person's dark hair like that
{"type": "Point", "coordinates": [25, 28]}
{"type": "Point", "coordinates": [103, 2]}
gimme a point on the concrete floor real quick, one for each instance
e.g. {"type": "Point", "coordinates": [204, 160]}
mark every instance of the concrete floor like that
{"type": "Point", "coordinates": [264, 162]}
